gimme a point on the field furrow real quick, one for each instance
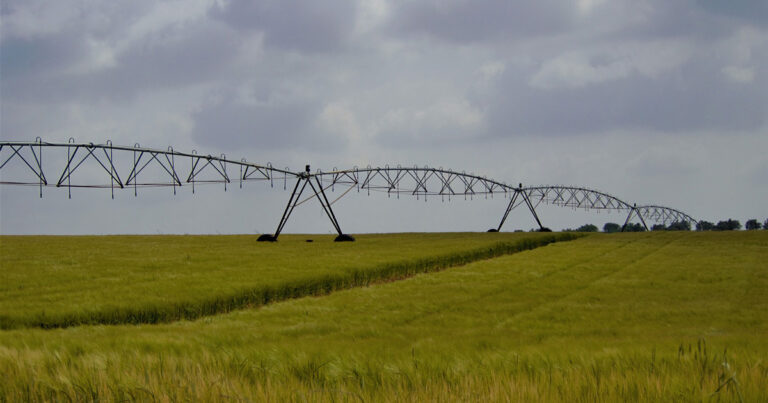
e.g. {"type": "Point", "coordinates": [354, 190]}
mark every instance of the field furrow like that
{"type": "Point", "coordinates": [217, 275]}
{"type": "Point", "coordinates": [589, 276]}
{"type": "Point", "coordinates": [537, 288]}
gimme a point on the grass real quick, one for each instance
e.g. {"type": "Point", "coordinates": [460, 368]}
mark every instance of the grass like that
{"type": "Point", "coordinates": [637, 317]}
{"type": "Point", "coordinates": [152, 279]}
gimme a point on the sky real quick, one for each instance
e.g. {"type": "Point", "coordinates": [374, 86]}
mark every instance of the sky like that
{"type": "Point", "coordinates": [653, 101]}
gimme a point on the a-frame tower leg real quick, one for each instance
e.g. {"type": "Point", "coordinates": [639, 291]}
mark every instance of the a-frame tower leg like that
{"type": "Point", "coordinates": [533, 210]}
{"type": "Point", "coordinates": [510, 206]}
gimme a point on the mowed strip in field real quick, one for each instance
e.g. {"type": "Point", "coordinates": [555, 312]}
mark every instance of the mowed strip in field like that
{"type": "Point", "coordinates": [66, 281]}
{"type": "Point", "coordinates": [638, 317]}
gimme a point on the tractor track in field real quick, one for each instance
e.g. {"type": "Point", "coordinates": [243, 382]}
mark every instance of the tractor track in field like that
{"type": "Point", "coordinates": [557, 271]}
{"type": "Point", "coordinates": [588, 284]}
{"type": "Point", "coordinates": [256, 297]}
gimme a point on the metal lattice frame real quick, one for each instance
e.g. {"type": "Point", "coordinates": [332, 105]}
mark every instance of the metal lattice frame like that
{"type": "Point", "coordinates": [419, 182]}
{"type": "Point", "coordinates": [664, 215]}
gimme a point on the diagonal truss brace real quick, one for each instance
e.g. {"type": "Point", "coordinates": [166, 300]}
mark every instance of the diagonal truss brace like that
{"type": "Point", "coordinates": [66, 174]}
{"type": "Point", "coordinates": [510, 207]}
{"type": "Point", "coordinates": [319, 193]}
{"type": "Point", "coordinates": [38, 160]}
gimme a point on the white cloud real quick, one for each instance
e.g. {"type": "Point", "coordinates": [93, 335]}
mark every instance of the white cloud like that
{"type": "Point", "coordinates": [491, 70]}
{"type": "Point", "coordinates": [738, 50]}
{"type": "Point", "coordinates": [100, 56]}
{"type": "Point", "coordinates": [38, 17]}
{"type": "Point", "coordinates": [168, 14]}
{"type": "Point", "coordinates": [739, 74]}
{"type": "Point", "coordinates": [447, 119]}
{"type": "Point", "coordinates": [611, 62]}
{"type": "Point", "coordinates": [586, 6]}
{"type": "Point", "coordinates": [337, 118]}
{"type": "Point", "coordinates": [576, 70]}
{"type": "Point", "coordinates": [371, 14]}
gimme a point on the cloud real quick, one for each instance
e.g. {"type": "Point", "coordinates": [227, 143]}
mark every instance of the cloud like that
{"type": "Point", "coordinates": [473, 21]}
{"type": "Point", "coordinates": [111, 52]}
{"type": "Point", "coordinates": [296, 25]}
{"type": "Point", "coordinates": [37, 57]}
{"type": "Point", "coordinates": [739, 74]}
{"type": "Point", "coordinates": [449, 83]}
{"type": "Point", "coordinates": [752, 11]}
{"type": "Point", "coordinates": [578, 69]}
{"type": "Point", "coordinates": [491, 70]}
{"type": "Point", "coordinates": [267, 119]}
{"type": "Point", "coordinates": [447, 120]}
{"type": "Point", "coordinates": [691, 98]}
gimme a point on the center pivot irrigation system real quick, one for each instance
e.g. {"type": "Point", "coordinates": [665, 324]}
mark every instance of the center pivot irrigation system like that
{"type": "Point", "coordinates": [119, 167]}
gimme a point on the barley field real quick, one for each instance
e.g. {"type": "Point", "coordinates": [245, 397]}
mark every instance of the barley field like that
{"type": "Point", "coordinates": [60, 281]}
{"type": "Point", "coordinates": [667, 316]}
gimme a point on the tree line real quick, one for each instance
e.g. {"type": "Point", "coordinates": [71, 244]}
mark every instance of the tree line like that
{"type": "Point", "coordinates": [730, 225]}
{"type": "Point", "coordinates": [724, 225]}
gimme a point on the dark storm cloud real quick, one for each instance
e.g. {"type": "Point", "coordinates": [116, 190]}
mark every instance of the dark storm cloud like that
{"type": "Point", "coordinates": [231, 123]}
{"type": "Point", "coordinates": [695, 97]}
{"type": "Point", "coordinates": [472, 21]}
{"type": "Point", "coordinates": [45, 69]}
{"type": "Point", "coordinates": [427, 82]}
{"type": "Point", "coordinates": [33, 57]}
{"type": "Point", "coordinates": [752, 11]}
{"type": "Point", "coordinates": [300, 25]}
{"type": "Point", "coordinates": [60, 66]}
{"type": "Point", "coordinates": [615, 93]}
{"type": "Point", "coordinates": [193, 55]}
{"type": "Point", "coordinates": [702, 21]}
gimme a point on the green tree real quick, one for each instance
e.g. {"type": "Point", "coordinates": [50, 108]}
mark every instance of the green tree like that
{"type": "Point", "coordinates": [730, 225]}
{"type": "Point", "coordinates": [611, 227]}
{"type": "Point", "coordinates": [765, 224]}
{"type": "Point", "coordinates": [704, 226]}
{"type": "Point", "coordinates": [636, 227]}
{"type": "Point", "coordinates": [679, 226]}
{"type": "Point", "coordinates": [658, 227]}
{"type": "Point", "coordinates": [587, 228]}
{"type": "Point", "coordinates": [752, 224]}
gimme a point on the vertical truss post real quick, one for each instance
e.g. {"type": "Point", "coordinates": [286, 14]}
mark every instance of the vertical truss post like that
{"type": "Point", "coordinates": [111, 170]}
{"type": "Point", "coordinates": [40, 162]}
{"type": "Point", "coordinates": [173, 169]}
{"type": "Point", "coordinates": [135, 169]}
{"type": "Point", "coordinates": [69, 164]}
{"type": "Point", "coordinates": [224, 170]}
{"type": "Point", "coordinates": [192, 170]}
{"type": "Point", "coordinates": [242, 160]}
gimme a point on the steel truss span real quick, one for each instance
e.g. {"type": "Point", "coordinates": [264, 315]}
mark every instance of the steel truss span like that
{"type": "Point", "coordinates": [88, 165]}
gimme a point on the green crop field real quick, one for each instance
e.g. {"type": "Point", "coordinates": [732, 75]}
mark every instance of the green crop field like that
{"type": "Point", "coordinates": [65, 281]}
{"type": "Point", "coordinates": [668, 316]}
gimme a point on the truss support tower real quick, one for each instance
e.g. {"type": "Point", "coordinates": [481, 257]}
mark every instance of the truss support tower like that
{"type": "Point", "coordinates": [303, 180]}
{"type": "Point", "coordinates": [518, 192]}
{"type": "Point", "coordinates": [634, 211]}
